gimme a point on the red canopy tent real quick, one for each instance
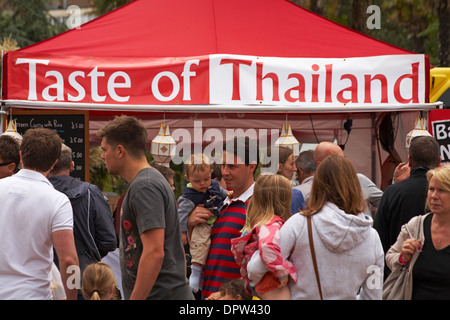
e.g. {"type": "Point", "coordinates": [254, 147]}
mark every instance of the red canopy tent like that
{"type": "Point", "coordinates": [176, 28]}
{"type": "Point", "coordinates": [231, 64]}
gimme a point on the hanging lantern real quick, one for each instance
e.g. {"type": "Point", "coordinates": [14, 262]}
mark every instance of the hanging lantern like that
{"type": "Point", "coordinates": [163, 146]}
{"type": "Point", "coordinates": [287, 139]}
{"type": "Point", "coordinates": [420, 129]}
{"type": "Point", "coordinates": [11, 130]}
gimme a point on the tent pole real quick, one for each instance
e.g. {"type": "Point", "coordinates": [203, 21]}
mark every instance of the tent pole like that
{"type": "Point", "coordinates": [374, 156]}
{"type": "Point", "coordinates": [1, 77]}
{"type": "Point", "coordinates": [2, 111]}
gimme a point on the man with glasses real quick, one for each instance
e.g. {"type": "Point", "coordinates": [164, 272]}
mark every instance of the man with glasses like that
{"type": "Point", "coordinates": [9, 156]}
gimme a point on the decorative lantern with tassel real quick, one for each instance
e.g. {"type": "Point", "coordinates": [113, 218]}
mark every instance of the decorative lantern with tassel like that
{"type": "Point", "coordinates": [11, 130]}
{"type": "Point", "coordinates": [163, 146]}
{"type": "Point", "coordinates": [287, 139]}
{"type": "Point", "coordinates": [420, 129]}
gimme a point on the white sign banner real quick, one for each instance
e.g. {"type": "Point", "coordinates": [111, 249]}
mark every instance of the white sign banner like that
{"type": "Point", "coordinates": [280, 81]}
{"type": "Point", "coordinates": [227, 80]}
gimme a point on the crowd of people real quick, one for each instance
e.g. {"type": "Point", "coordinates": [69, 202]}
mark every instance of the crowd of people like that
{"type": "Point", "coordinates": [249, 235]}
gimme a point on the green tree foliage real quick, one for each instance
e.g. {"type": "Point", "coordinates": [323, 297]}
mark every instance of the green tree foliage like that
{"type": "Point", "coordinates": [98, 174]}
{"type": "Point", "coordinates": [420, 26]}
{"type": "Point", "coordinates": [7, 44]}
{"type": "Point", "coordinates": [104, 6]}
{"type": "Point", "coordinates": [27, 22]}
{"type": "Point", "coordinates": [443, 9]}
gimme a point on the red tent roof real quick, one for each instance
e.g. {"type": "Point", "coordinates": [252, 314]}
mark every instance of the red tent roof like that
{"type": "Point", "coordinates": [179, 53]}
{"type": "Point", "coordinates": [180, 28]}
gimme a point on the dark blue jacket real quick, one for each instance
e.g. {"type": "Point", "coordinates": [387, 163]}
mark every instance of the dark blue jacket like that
{"type": "Point", "coordinates": [212, 199]}
{"type": "Point", "coordinates": [92, 218]}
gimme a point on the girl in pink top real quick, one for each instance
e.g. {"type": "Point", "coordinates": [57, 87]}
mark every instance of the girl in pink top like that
{"type": "Point", "coordinates": [257, 251]}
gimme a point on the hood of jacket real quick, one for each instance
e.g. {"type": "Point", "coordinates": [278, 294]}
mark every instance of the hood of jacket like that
{"type": "Point", "coordinates": [71, 187]}
{"type": "Point", "coordinates": [340, 231]}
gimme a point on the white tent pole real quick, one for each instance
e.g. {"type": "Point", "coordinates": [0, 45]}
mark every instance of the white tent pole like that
{"type": "Point", "coordinates": [224, 108]}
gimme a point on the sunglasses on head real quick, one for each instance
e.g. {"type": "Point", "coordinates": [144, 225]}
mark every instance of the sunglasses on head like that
{"type": "Point", "coordinates": [5, 163]}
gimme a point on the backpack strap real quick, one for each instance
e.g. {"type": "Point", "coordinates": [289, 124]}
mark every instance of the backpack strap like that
{"type": "Point", "coordinates": [313, 254]}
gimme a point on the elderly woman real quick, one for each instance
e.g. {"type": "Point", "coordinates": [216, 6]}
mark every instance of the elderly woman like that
{"type": "Point", "coordinates": [283, 164]}
{"type": "Point", "coordinates": [348, 251]}
{"type": "Point", "coordinates": [424, 243]}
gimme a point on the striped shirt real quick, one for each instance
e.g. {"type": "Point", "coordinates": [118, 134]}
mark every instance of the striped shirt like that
{"type": "Point", "coordinates": [220, 265]}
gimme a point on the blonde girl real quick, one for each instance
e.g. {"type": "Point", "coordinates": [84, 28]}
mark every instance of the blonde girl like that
{"type": "Point", "coordinates": [264, 270]}
{"type": "Point", "coordinates": [271, 196]}
{"type": "Point", "coordinates": [99, 283]}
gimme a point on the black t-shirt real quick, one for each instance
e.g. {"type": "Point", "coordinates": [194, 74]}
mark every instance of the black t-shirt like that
{"type": "Point", "coordinates": [431, 272]}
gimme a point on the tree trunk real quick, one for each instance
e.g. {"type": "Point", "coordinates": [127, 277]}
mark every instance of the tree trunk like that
{"type": "Point", "coordinates": [359, 15]}
{"type": "Point", "coordinates": [444, 33]}
{"type": "Point", "coordinates": [316, 6]}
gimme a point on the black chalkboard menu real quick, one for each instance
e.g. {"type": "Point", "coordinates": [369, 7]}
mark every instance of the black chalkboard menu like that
{"type": "Point", "coordinates": [72, 127]}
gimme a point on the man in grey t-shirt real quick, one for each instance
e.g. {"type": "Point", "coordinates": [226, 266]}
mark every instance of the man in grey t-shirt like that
{"type": "Point", "coordinates": [151, 251]}
{"type": "Point", "coordinates": [150, 204]}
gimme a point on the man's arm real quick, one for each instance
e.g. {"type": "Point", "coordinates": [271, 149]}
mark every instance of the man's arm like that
{"type": "Point", "coordinates": [371, 191]}
{"type": "Point", "coordinates": [401, 172]}
{"type": "Point", "coordinates": [64, 244]}
{"type": "Point", "coordinates": [150, 263]}
{"type": "Point", "coordinates": [381, 222]}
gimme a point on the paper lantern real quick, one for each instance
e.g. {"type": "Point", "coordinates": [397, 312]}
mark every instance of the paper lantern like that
{"type": "Point", "coordinates": [163, 146]}
{"type": "Point", "coordinates": [420, 129]}
{"type": "Point", "coordinates": [11, 130]}
{"type": "Point", "coordinates": [287, 139]}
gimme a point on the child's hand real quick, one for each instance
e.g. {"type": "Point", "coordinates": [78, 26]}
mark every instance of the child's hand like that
{"type": "Point", "coordinates": [230, 194]}
{"type": "Point", "coordinates": [214, 296]}
{"type": "Point", "coordinates": [283, 282]}
{"type": "Point", "coordinates": [199, 215]}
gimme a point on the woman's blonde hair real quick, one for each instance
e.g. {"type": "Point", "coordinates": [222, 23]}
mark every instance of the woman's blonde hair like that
{"type": "Point", "coordinates": [442, 175]}
{"type": "Point", "coordinates": [271, 196]}
{"type": "Point", "coordinates": [98, 281]}
{"type": "Point", "coordinates": [336, 181]}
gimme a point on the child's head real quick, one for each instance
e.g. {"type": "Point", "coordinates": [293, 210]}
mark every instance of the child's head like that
{"type": "Point", "coordinates": [99, 282]}
{"type": "Point", "coordinates": [234, 290]}
{"type": "Point", "coordinates": [271, 196]}
{"type": "Point", "coordinates": [198, 172]}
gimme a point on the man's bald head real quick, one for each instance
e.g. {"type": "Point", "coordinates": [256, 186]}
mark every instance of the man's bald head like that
{"type": "Point", "coordinates": [325, 149]}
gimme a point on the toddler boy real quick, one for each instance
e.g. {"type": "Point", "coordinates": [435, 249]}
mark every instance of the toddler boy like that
{"type": "Point", "coordinates": [201, 190]}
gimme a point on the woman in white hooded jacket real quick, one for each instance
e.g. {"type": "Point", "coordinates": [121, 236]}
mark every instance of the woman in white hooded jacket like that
{"type": "Point", "coordinates": [349, 254]}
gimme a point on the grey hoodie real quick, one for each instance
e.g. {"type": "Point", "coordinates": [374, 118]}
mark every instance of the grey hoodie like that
{"type": "Point", "coordinates": [349, 255]}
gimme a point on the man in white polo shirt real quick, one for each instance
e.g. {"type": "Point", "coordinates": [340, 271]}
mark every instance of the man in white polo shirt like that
{"type": "Point", "coordinates": [34, 219]}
